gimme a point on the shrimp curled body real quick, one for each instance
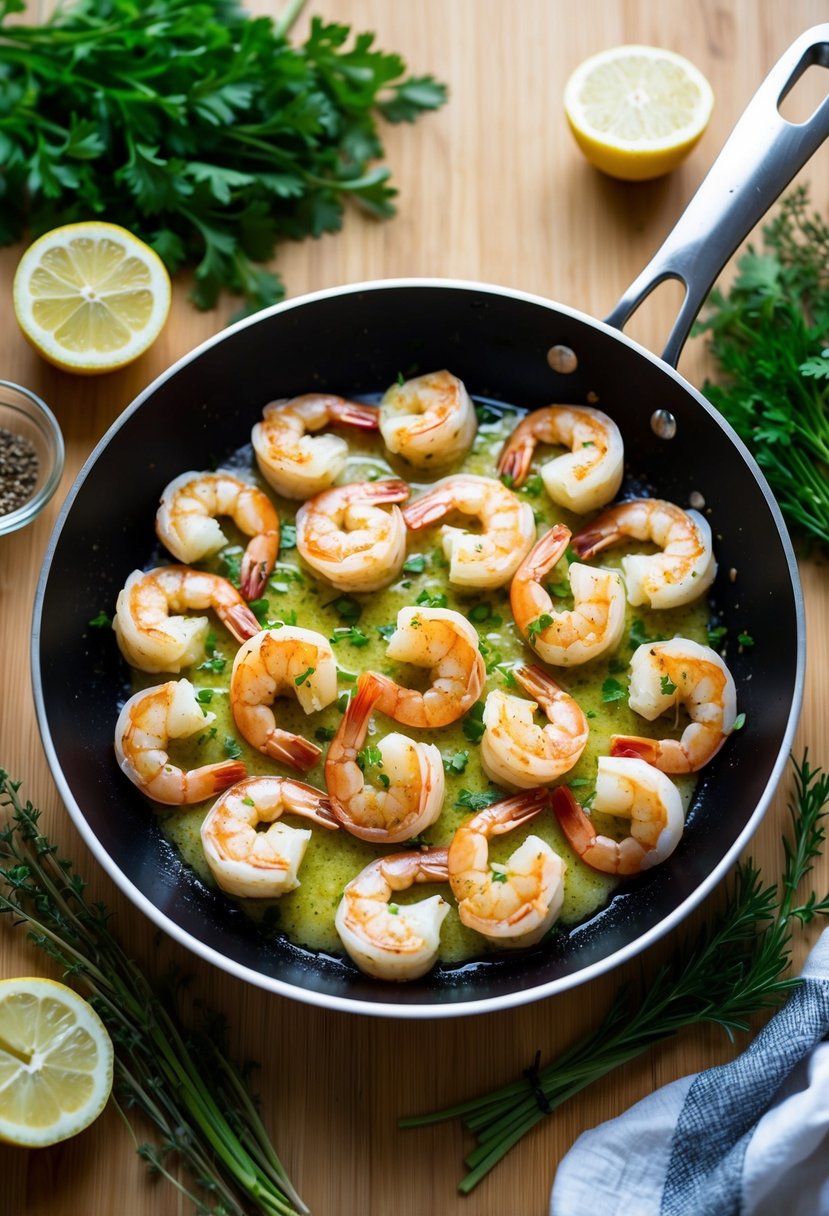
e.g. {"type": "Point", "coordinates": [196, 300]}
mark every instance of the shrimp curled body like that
{"type": "Point", "coordinates": [429, 421]}
{"type": "Point", "coordinates": [446, 643]}
{"type": "Point", "coordinates": [567, 637]}
{"type": "Point", "coordinates": [583, 479]}
{"type": "Point", "coordinates": [485, 559]}
{"type": "Point", "coordinates": [680, 672]}
{"type": "Point", "coordinates": [516, 903]}
{"type": "Point", "coordinates": [291, 457]}
{"type": "Point", "coordinates": [145, 726]}
{"type": "Point", "coordinates": [292, 661]}
{"type": "Point", "coordinates": [630, 789]}
{"type": "Point", "coordinates": [518, 754]}
{"type": "Point", "coordinates": [153, 640]}
{"type": "Point", "coordinates": [679, 574]}
{"type": "Point", "coordinates": [186, 523]}
{"type": "Point", "coordinates": [393, 941]}
{"type": "Point", "coordinates": [345, 535]}
{"type": "Point", "coordinates": [253, 863]}
{"type": "Point", "coordinates": [410, 798]}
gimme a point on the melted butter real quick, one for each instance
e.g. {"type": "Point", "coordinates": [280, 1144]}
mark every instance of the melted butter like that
{"type": "Point", "coordinates": [295, 595]}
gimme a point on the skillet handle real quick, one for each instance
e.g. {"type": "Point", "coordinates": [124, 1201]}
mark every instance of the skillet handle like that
{"type": "Point", "coordinates": [757, 162]}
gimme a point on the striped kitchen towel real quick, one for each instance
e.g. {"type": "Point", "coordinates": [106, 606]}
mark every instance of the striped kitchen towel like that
{"type": "Point", "coordinates": [749, 1138]}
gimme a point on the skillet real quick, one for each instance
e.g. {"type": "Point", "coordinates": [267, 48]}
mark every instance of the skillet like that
{"type": "Point", "coordinates": [505, 345]}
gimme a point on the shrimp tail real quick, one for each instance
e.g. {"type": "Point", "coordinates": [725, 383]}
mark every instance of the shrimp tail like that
{"type": "Point", "coordinates": [519, 809]}
{"type": "Point", "coordinates": [257, 564]}
{"type": "Point", "coordinates": [392, 489]}
{"type": "Point", "coordinates": [219, 776]}
{"type": "Point", "coordinates": [546, 552]}
{"type": "Point", "coordinates": [400, 870]}
{"type": "Point", "coordinates": [292, 750]}
{"type": "Point", "coordinates": [635, 747]}
{"type": "Point", "coordinates": [309, 802]}
{"type": "Point", "coordinates": [591, 540]}
{"type": "Point", "coordinates": [240, 621]}
{"type": "Point", "coordinates": [537, 683]}
{"type": "Point", "coordinates": [350, 414]}
{"type": "Point", "coordinates": [427, 510]}
{"type": "Point", "coordinates": [668, 755]}
{"type": "Point", "coordinates": [515, 459]}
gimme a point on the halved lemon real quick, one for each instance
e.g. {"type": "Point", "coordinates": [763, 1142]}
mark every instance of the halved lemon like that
{"type": "Point", "coordinates": [56, 1062]}
{"type": "Point", "coordinates": [637, 111]}
{"type": "Point", "coordinates": [91, 297]}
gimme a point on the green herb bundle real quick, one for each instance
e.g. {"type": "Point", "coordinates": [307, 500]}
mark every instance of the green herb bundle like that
{"type": "Point", "coordinates": [199, 128]}
{"type": "Point", "coordinates": [770, 336]}
{"type": "Point", "coordinates": [734, 969]}
{"type": "Point", "coordinates": [178, 1076]}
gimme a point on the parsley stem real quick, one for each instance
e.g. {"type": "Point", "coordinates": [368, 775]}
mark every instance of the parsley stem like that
{"type": "Point", "coordinates": [288, 17]}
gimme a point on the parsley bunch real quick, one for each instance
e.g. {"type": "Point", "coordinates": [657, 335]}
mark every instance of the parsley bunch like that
{"type": "Point", "coordinates": [735, 968]}
{"type": "Point", "coordinates": [770, 336]}
{"type": "Point", "coordinates": [198, 128]}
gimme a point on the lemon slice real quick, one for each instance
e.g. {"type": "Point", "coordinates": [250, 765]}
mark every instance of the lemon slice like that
{"type": "Point", "coordinates": [91, 297]}
{"type": "Point", "coordinates": [55, 1062]}
{"type": "Point", "coordinates": [637, 111]}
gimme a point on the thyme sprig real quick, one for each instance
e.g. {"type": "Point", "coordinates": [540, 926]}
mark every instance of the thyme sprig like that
{"type": "Point", "coordinates": [734, 969]}
{"type": "Point", "coordinates": [177, 1074]}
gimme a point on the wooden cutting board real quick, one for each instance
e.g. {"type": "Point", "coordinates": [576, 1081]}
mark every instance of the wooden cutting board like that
{"type": "Point", "coordinates": [491, 188]}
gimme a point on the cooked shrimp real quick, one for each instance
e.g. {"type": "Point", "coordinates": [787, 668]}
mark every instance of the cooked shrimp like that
{"type": "Point", "coordinates": [393, 941]}
{"type": "Point", "coordinates": [680, 573]}
{"type": "Point", "coordinates": [289, 660]}
{"type": "Point", "coordinates": [680, 672]}
{"type": "Point", "coordinates": [146, 724]}
{"type": "Point", "coordinates": [430, 421]}
{"type": "Point", "coordinates": [345, 535]}
{"type": "Point", "coordinates": [586, 477]}
{"type": "Point", "coordinates": [410, 796]}
{"type": "Point", "coordinates": [517, 753]}
{"type": "Point", "coordinates": [516, 903]}
{"type": "Point", "coordinates": [152, 640]}
{"type": "Point", "coordinates": [446, 643]}
{"type": "Point", "coordinates": [488, 558]}
{"type": "Point", "coordinates": [186, 523]}
{"type": "Point", "coordinates": [566, 637]}
{"type": "Point", "coordinates": [629, 789]}
{"type": "Point", "coordinates": [254, 862]}
{"type": "Point", "coordinates": [298, 464]}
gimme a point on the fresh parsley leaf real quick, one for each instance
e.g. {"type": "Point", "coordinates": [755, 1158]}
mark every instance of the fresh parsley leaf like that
{"type": "Point", "coordinates": [477, 800]}
{"type": "Point", "coordinates": [473, 725]}
{"type": "Point", "coordinates": [415, 564]}
{"type": "Point", "coordinates": [612, 690]}
{"type": "Point", "coordinates": [101, 621]}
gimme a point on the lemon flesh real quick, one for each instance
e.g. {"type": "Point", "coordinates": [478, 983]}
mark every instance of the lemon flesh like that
{"type": "Point", "coordinates": [636, 111]}
{"type": "Point", "coordinates": [56, 1062]}
{"type": "Point", "coordinates": [91, 297]}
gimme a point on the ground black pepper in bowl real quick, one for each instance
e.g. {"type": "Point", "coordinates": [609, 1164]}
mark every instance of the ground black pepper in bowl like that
{"type": "Point", "coordinates": [19, 466]}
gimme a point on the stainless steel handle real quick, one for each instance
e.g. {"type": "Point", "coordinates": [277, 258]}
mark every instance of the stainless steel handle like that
{"type": "Point", "coordinates": [757, 162]}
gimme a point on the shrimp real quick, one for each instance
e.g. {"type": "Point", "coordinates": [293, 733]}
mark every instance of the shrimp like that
{"type": "Point", "coordinates": [516, 903]}
{"type": "Point", "coordinates": [345, 535]}
{"type": "Point", "coordinates": [585, 478]}
{"type": "Point", "coordinates": [595, 623]}
{"type": "Point", "coordinates": [680, 672]}
{"type": "Point", "coordinates": [186, 523]}
{"type": "Point", "coordinates": [630, 789]}
{"type": "Point", "coordinates": [393, 941]}
{"type": "Point", "coordinates": [679, 574]}
{"type": "Point", "coordinates": [488, 558]}
{"type": "Point", "coordinates": [446, 643]}
{"type": "Point", "coordinates": [298, 464]}
{"type": "Point", "coordinates": [288, 660]}
{"type": "Point", "coordinates": [517, 753]}
{"type": "Point", "coordinates": [256, 863]}
{"type": "Point", "coordinates": [146, 724]}
{"type": "Point", "coordinates": [430, 421]}
{"type": "Point", "coordinates": [152, 640]}
{"type": "Point", "coordinates": [411, 775]}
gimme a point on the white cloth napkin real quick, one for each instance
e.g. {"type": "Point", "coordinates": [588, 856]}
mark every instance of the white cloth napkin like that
{"type": "Point", "coordinates": [749, 1138]}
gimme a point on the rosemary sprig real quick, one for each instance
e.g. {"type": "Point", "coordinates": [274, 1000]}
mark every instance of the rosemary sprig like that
{"type": "Point", "coordinates": [178, 1075]}
{"type": "Point", "coordinates": [734, 969]}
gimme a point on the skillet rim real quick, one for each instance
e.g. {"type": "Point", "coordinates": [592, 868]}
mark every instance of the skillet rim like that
{"type": "Point", "coordinates": [486, 1004]}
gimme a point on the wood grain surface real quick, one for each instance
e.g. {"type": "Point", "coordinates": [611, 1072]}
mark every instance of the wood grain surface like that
{"type": "Point", "coordinates": [491, 188]}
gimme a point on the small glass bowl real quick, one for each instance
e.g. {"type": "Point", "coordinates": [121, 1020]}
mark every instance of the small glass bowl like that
{"type": "Point", "coordinates": [24, 414]}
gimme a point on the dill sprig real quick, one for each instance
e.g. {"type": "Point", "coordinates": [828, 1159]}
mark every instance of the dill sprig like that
{"type": "Point", "coordinates": [733, 969]}
{"type": "Point", "coordinates": [178, 1075]}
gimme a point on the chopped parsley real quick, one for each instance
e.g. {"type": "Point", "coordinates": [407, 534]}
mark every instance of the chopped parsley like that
{"type": "Point", "coordinates": [301, 679]}
{"type": "Point", "coordinates": [101, 621]}
{"type": "Point", "coordinates": [385, 631]}
{"type": "Point", "coordinates": [476, 800]}
{"type": "Point", "coordinates": [415, 564]}
{"type": "Point", "coordinates": [457, 762]}
{"type": "Point", "coordinates": [666, 686]}
{"type": "Point", "coordinates": [612, 690]}
{"type": "Point", "coordinates": [324, 734]}
{"type": "Point", "coordinates": [287, 537]}
{"type": "Point", "coordinates": [432, 600]}
{"type": "Point", "coordinates": [352, 635]}
{"type": "Point", "coordinates": [232, 748]}
{"type": "Point", "coordinates": [473, 724]}
{"type": "Point", "coordinates": [539, 625]}
{"type": "Point", "coordinates": [347, 608]}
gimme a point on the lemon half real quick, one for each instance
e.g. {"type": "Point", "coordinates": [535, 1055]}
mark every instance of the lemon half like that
{"type": "Point", "coordinates": [91, 297]}
{"type": "Point", "coordinates": [637, 111]}
{"type": "Point", "coordinates": [56, 1062]}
